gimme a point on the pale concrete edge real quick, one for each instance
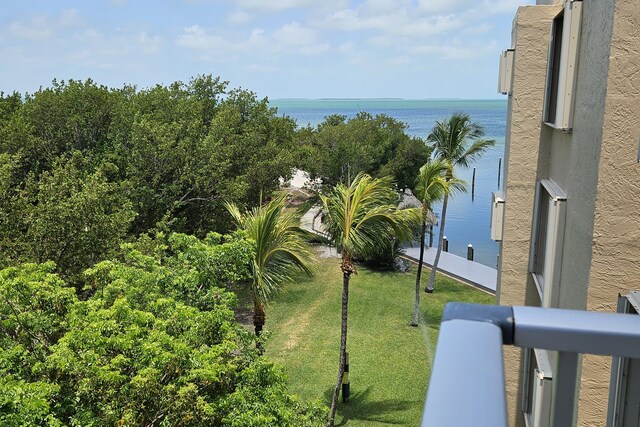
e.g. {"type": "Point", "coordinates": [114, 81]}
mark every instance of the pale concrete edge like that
{"type": "Point", "coordinates": [454, 276]}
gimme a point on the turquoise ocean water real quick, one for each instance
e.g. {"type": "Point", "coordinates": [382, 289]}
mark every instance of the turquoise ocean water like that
{"type": "Point", "coordinates": [468, 221]}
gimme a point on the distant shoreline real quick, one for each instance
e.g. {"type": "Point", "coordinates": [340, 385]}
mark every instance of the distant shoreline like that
{"type": "Point", "coordinates": [389, 99]}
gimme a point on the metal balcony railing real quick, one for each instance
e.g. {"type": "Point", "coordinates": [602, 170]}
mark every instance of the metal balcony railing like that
{"type": "Point", "coordinates": [467, 385]}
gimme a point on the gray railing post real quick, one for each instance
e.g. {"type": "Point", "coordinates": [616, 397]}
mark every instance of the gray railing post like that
{"type": "Point", "coordinates": [467, 380]}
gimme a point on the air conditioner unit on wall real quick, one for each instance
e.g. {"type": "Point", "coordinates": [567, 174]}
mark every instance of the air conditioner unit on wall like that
{"type": "Point", "coordinates": [497, 215]}
{"type": "Point", "coordinates": [561, 66]}
{"type": "Point", "coordinates": [505, 71]}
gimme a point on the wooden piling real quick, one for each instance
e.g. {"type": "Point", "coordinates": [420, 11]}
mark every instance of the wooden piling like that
{"type": "Point", "coordinates": [473, 185]}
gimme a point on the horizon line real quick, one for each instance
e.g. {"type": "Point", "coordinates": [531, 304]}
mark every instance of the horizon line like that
{"type": "Point", "coordinates": [381, 99]}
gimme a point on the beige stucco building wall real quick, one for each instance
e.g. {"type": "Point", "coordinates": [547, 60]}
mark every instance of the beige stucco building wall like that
{"type": "Point", "coordinates": [596, 165]}
{"type": "Point", "coordinates": [530, 40]}
{"type": "Point", "coordinates": [615, 258]}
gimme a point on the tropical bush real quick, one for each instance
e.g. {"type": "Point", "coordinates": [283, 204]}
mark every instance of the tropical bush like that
{"type": "Point", "coordinates": [155, 343]}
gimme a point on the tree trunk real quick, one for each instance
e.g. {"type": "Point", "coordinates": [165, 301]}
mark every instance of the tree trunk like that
{"type": "Point", "coordinates": [416, 307]}
{"type": "Point", "coordinates": [443, 217]}
{"type": "Point", "coordinates": [259, 316]}
{"type": "Point", "coordinates": [346, 274]}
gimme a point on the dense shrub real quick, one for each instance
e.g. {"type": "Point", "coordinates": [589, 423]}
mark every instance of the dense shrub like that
{"type": "Point", "coordinates": [155, 343]}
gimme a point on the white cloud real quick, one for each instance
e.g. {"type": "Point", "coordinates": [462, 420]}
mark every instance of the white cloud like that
{"type": "Point", "coordinates": [257, 36]}
{"type": "Point", "coordinates": [502, 6]}
{"type": "Point", "coordinates": [214, 46]}
{"type": "Point", "coordinates": [398, 61]}
{"type": "Point", "coordinates": [197, 38]}
{"type": "Point", "coordinates": [314, 49]}
{"type": "Point", "coordinates": [479, 29]}
{"type": "Point", "coordinates": [445, 7]}
{"type": "Point", "coordinates": [92, 46]}
{"type": "Point", "coordinates": [274, 4]}
{"type": "Point", "coordinates": [44, 27]}
{"type": "Point", "coordinates": [398, 22]}
{"type": "Point", "coordinates": [277, 6]}
{"type": "Point", "coordinates": [239, 17]}
{"type": "Point", "coordinates": [347, 47]}
{"type": "Point", "coordinates": [262, 68]}
{"type": "Point", "coordinates": [338, 39]}
{"type": "Point", "coordinates": [455, 50]}
{"type": "Point", "coordinates": [37, 28]}
{"type": "Point", "coordinates": [472, 7]}
{"type": "Point", "coordinates": [291, 38]}
{"type": "Point", "coordinates": [294, 34]}
{"type": "Point", "coordinates": [407, 18]}
{"type": "Point", "coordinates": [381, 41]}
{"type": "Point", "coordinates": [149, 44]}
{"type": "Point", "coordinates": [66, 38]}
{"type": "Point", "coordinates": [382, 7]}
{"type": "Point", "coordinates": [70, 18]}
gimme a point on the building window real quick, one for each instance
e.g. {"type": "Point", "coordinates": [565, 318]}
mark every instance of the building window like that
{"type": "Point", "coordinates": [536, 396]}
{"type": "Point", "coordinates": [547, 240]}
{"type": "Point", "coordinates": [553, 72]}
{"type": "Point", "coordinates": [624, 393]}
{"type": "Point", "coordinates": [561, 67]}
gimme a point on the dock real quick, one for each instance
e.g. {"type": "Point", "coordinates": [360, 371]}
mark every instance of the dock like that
{"type": "Point", "coordinates": [469, 272]}
{"type": "Point", "coordinates": [472, 273]}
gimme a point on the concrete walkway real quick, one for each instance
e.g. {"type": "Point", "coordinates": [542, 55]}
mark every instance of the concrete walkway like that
{"type": "Point", "coordinates": [310, 221]}
{"type": "Point", "coordinates": [470, 272]}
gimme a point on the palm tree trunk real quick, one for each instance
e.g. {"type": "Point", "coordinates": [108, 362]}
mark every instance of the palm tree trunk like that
{"type": "Point", "coordinates": [259, 316]}
{"type": "Point", "coordinates": [346, 275]}
{"type": "Point", "coordinates": [443, 217]}
{"type": "Point", "coordinates": [416, 307]}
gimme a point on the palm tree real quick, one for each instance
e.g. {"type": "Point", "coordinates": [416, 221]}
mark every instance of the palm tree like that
{"type": "Point", "coordinates": [361, 217]}
{"type": "Point", "coordinates": [458, 142]}
{"type": "Point", "coordinates": [430, 187]}
{"type": "Point", "coordinates": [279, 249]}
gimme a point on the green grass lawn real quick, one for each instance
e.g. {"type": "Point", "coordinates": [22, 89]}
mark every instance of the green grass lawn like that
{"type": "Point", "coordinates": [390, 361]}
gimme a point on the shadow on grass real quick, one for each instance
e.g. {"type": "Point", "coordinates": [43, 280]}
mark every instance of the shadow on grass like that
{"type": "Point", "coordinates": [432, 319]}
{"type": "Point", "coordinates": [362, 407]}
{"type": "Point", "coordinates": [448, 290]}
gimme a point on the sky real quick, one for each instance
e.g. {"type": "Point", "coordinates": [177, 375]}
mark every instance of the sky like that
{"type": "Point", "coordinates": [414, 49]}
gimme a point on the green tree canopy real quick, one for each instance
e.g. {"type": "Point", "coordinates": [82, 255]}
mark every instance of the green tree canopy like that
{"type": "Point", "coordinates": [84, 167]}
{"type": "Point", "coordinates": [338, 149]}
{"type": "Point", "coordinates": [138, 351]}
{"type": "Point", "coordinates": [68, 215]}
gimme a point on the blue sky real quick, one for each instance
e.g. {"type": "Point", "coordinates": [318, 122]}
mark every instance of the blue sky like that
{"type": "Point", "coordinates": [278, 48]}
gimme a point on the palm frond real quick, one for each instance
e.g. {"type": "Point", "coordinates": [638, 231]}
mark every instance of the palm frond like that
{"type": "Point", "coordinates": [431, 183]}
{"type": "Point", "coordinates": [451, 139]}
{"type": "Point", "coordinates": [474, 151]}
{"type": "Point", "coordinates": [456, 186]}
{"type": "Point", "coordinates": [362, 216]}
{"type": "Point", "coordinates": [279, 245]}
